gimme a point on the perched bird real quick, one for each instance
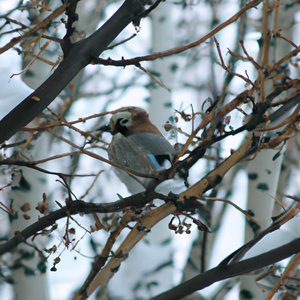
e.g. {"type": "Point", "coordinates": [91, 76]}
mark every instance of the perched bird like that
{"type": "Point", "coordinates": [138, 145]}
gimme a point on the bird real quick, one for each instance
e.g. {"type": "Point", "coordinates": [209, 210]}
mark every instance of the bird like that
{"type": "Point", "coordinates": [138, 145]}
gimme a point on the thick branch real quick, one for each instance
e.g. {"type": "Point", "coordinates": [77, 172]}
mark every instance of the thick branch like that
{"type": "Point", "coordinates": [222, 272]}
{"type": "Point", "coordinates": [215, 176]}
{"type": "Point", "coordinates": [72, 18]}
{"type": "Point", "coordinates": [73, 208]}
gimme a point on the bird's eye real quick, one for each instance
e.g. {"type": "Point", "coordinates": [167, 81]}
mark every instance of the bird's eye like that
{"type": "Point", "coordinates": [123, 122]}
{"type": "Point", "coordinates": [122, 125]}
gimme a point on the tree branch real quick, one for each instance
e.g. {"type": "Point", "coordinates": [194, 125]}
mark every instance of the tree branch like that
{"type": "Point", "coordinates": [222, 272]}
{"type": "Point", "coordinates": [79, 56]}
{"type": "Point", "coordinates": [75, 207]}
{"type": "Point", "coordinates": [72, 18]}
{"type": "Point", "coordinates": [134, 61]}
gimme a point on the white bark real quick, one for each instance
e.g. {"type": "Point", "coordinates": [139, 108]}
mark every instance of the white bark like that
{"type": "Point", "coordinates": [160, 106]}
{"type": "Point", "coordinates": [28, 190]}
{"type": "Point", "coordinates": [263, 170]}
{"type": "Point", "coordinates": [27, 187]}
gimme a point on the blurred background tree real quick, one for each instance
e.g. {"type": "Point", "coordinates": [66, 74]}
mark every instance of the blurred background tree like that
{"type": "Point", "coordinates": [220, 76]}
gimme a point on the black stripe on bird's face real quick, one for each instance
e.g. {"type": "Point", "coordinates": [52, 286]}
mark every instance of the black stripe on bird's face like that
{"type": "Point", "coordinates": [121, 126]}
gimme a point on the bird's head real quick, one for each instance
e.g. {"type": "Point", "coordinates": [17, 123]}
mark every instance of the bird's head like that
{"type": "Point", "coordinates": [130, 120]}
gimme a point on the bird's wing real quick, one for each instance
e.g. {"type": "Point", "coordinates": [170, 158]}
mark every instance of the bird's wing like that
{"type": "Point", "coordinates": [155, 146]}
{"type": "Point", "coordinates": [127, 153]}
{"type": "Point", "coordinates": [143, 152]}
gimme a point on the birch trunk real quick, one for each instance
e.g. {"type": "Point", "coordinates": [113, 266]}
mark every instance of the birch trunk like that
{"type": "Point", "coordinates": [264, 171]}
